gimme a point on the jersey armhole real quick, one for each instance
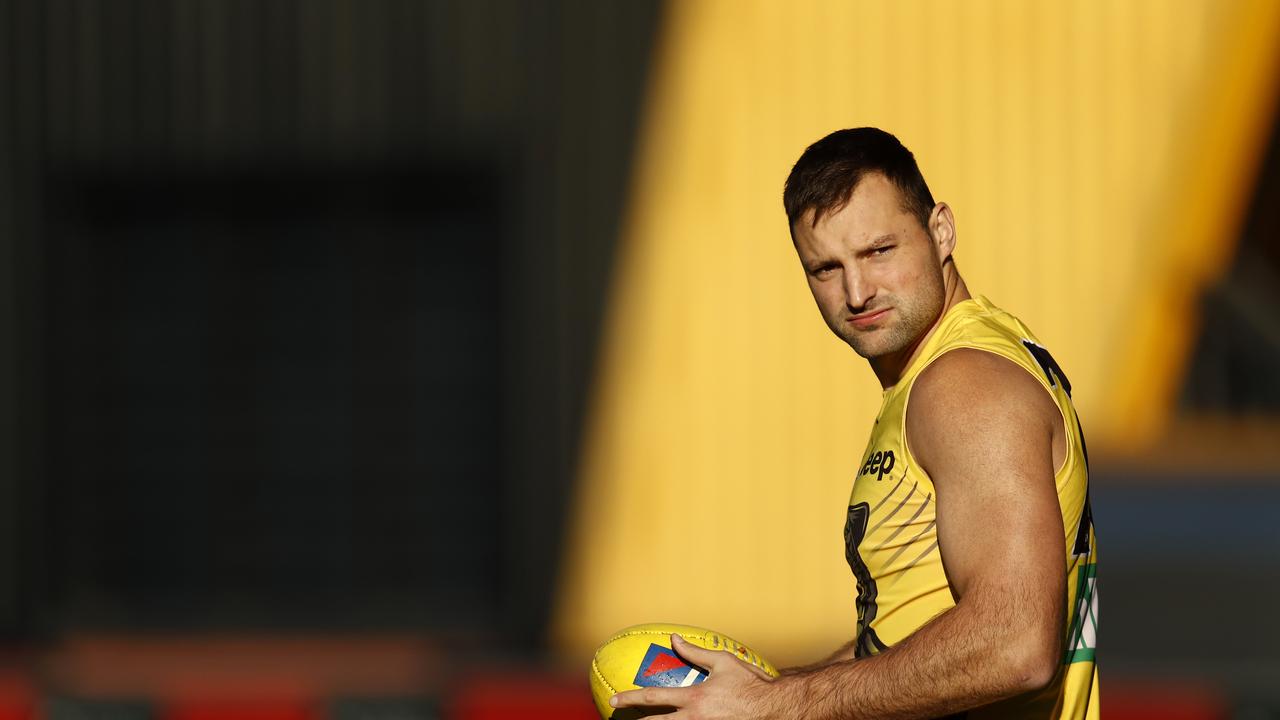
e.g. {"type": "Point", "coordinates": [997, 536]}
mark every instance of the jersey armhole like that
{"type": "Point", "coordinates": [1034, 372]}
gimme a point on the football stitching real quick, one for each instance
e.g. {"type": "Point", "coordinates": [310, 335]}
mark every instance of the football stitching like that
{"type": "Point", "coordinates": [728, 642]}
{"type": "Point", "coordinates": [653, 632]}
{"type": "Point", "coordinates": [596, 669]}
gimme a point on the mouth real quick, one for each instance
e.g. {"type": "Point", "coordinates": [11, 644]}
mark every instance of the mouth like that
{"type": "Point", "coordinates": [867, 320]}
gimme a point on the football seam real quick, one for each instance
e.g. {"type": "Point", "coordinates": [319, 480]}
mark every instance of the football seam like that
{"type": "Point", "coordinates": [630, 633]}
{"type": "Point", "coordinates": [595, 668]}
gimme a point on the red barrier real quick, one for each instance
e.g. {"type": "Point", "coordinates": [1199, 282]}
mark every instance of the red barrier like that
{"type": "Point", "coordinates": [246, 709]}
{"type": "Point", "coordinates": [526, 697]}
{"type": "Point", "coordinates": [1162, 701]}
{"type": "Point", "coordinates": [17, 697]}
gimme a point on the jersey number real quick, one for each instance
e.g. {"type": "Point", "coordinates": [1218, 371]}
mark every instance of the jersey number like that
{"type": "Point", "coordinates": [855, 528]}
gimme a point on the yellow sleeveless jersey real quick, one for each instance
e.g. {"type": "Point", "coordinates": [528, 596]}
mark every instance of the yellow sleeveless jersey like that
{"type": "Point", "coordinates": [891, 539]}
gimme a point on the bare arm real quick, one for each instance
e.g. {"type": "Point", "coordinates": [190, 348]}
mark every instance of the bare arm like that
{"type": "Point", "coordinates": [983, 429]}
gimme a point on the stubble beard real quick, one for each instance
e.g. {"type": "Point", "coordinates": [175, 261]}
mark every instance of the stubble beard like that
{"type": "Point", "coordinates": [912, 321]}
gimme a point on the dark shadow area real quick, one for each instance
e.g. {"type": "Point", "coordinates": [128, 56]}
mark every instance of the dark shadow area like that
{"type": "Point", "coordinates": [301, 310]}
{"type": "Point", "coordinates": [274, 398]}
{"type": "Point", "coordinates": [1235, 367]}
{"type": "Point", "coordinates": [1187, 577]}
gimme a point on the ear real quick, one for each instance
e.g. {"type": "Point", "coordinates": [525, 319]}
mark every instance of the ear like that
{"type": "Point", "coordinates": [942, 229]}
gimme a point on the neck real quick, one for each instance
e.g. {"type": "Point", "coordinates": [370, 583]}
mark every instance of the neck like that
{"type": "Point", "coordinates": [889, 368]}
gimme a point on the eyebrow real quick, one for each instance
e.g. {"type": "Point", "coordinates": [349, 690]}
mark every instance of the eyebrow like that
{"type": "Point", "coordinates": [818, 264]}
{"type": "Point", "coordinates": [877, 242]}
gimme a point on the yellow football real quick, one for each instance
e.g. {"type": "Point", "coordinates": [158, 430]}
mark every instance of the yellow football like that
{"type": "Point", "coordinates": [641, 656]}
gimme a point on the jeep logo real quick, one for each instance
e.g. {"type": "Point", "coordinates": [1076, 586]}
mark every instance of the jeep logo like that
{"type": "Point", "coordinates": [880, 463]}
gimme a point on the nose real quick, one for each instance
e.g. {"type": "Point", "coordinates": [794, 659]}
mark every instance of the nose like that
{"type": "Point", "coordinates": [857, 290]}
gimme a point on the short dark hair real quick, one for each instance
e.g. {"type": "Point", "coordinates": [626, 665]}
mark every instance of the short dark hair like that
{"type": "Point", "coordinates": [824, 177]}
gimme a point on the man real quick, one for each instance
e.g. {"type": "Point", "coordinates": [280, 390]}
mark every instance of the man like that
{"type": "Point", "coordinates": [968, 529]}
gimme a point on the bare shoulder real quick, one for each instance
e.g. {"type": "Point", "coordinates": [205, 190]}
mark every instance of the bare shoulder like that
{"type": "Point", "coordinates": [976, 404]}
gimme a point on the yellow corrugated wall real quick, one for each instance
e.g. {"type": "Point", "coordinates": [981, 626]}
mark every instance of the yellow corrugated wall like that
{"type": "Point", "coordinates": [1096, 154]}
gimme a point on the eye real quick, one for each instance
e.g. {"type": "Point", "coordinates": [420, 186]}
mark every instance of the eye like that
{"type": "Point", "coordinates": [883, 250]}
{"type": "Point", "coordinates": [822, 271]}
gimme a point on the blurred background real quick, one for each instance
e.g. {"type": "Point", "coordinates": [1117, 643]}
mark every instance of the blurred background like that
{"type": "Point", "coordinates": [379, 358]}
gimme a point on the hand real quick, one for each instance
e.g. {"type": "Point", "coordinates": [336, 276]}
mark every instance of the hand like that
{"type": "Point", "coordinates": [734, 689]}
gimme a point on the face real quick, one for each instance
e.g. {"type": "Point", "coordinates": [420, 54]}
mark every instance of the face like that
{"type": "Point", "coordinates": [874, 271]}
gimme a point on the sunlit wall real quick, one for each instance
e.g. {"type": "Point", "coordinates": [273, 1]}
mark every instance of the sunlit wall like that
{"type": "Point", "coordinates": [1097, 156]}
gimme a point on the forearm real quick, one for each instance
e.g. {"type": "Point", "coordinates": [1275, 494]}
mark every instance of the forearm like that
{"type": "Point", "coordinates": [955, 662]}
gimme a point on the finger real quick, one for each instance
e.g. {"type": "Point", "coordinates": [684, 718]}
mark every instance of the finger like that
{"type": "Point", "coordinates": [650, 697]}
{"type": "Point", "coordinates": [700, 656]}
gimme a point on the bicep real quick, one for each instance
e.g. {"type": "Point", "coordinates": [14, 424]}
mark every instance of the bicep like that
{"type": "Point", "coordinates": [982, 428]}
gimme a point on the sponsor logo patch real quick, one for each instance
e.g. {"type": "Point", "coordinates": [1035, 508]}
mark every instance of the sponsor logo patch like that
{"type": "Point", "coordinates": [878, 463]}
{"type": "Point", "coordinates": [661, 667]}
